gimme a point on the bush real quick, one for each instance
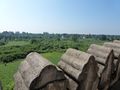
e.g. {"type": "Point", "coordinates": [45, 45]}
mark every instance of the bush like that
{"type": "Point", "coordinates": [2, 43]}
{"type": "Point", "coordinates": [10, 86]}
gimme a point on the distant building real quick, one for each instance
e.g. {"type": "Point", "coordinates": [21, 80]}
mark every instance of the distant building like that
{"type": "Point", "coordinates": [84, 37]}
{"type": "Point", "coordinates": [62, 37]}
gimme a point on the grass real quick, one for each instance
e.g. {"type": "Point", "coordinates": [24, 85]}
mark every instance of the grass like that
{"type": "Point", "coordinates": [17, 43]}
{"type": "Point", "coordinates": [7, 72]}
{"type": "Point", "coordinates": [84, 44]}
{"type": "Point", "coordinates": [54, 57]}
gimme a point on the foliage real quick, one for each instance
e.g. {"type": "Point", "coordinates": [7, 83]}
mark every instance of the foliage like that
{"type": "Point", "coordinates": [19, 49]}
{"type": "Point", "coordinates": [10, 53]}
{"type": "Point", "coordinates": [2, 43]}
{"type": "Point", "coordinates": [17, 43]}
{"type": "Point", "coordinates": [7, 36]}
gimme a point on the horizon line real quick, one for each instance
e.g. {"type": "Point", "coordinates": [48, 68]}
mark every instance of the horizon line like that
{"type": "Point", "coordinates": [59, 33]}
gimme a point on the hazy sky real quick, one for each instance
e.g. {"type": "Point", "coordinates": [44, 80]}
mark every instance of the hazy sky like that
{"type": "Point", "coordinates": [61, 16]}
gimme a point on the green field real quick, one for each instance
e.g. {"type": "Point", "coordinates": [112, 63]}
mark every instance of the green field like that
{"type": "Point", "coordinates": [17, 43]}
{"type": "Point", "coordinates": [54, 57]}
{"type": "Point", "coordinates": [7, 72]}
{"type": "Point", "coordinates": [85, 43]}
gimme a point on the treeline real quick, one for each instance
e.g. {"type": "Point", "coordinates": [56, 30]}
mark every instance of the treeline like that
{"type": "Point", "coordinates": [6, 36]}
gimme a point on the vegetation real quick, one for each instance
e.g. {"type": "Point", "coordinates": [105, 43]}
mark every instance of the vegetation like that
{"type": "Point", "coordinates": [54, 57]}
{"type": "Point", "coordinates": [17, 43]}
{"type": "Point", "coordinates": [6, 74]}
{"type": "Point", "coordinates": [15, 46]}
{"type": "Point", "coordinates": [19, 49]}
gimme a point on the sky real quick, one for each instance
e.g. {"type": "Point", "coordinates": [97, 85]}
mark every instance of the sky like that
{"type": "Point", "coordinates": [61, 16]}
